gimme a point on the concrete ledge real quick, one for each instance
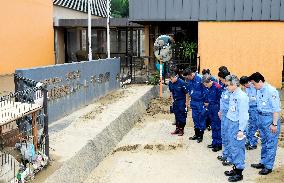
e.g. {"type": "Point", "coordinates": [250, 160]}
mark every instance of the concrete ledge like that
{"type": "Point", "coordinates": [78, 167]}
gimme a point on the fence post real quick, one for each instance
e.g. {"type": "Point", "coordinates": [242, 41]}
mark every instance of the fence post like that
{"type": "Point", "coordinates": [45, 129]}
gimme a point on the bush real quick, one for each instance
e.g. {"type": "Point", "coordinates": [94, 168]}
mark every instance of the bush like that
{"type": "Point", "coordinates": [154, 79]}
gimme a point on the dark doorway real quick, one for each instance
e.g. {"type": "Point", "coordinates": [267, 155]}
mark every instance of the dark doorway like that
{"type": "Point", "coordinates": [184, 33]}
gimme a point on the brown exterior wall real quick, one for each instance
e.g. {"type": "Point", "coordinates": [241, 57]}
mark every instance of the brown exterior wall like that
{"type": "Point", "coordinates": [26, 34]}
{"type": "Point", "coordinates": [244, 47]}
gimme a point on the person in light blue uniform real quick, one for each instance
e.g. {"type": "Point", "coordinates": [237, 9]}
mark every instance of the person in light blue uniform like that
{"type": "Point", "coordinates": [237, 117]}
{"type": "Point", "coordinates": [268, 108]}
{"type": "Point", "coordinates": [252, 123]}
{"type": "Point", "coordinates": [212, 102]}
{"type": "Point", "coordinates": [224, 107]}
{"type": "Point", "coordinates": [179, 91]}
{"type": "Point", "coordinates": [197, 96]}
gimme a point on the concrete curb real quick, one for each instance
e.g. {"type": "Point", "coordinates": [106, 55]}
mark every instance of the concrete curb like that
{"type": "Point", "coordinates": [77, 168]}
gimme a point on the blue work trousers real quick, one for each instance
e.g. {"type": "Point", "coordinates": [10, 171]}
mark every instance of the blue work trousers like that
{"type": "Point", "coordinates": [269, 140]}
{"type": "Point", "coordinates": [236, 146]}
{"type": "Point", "coordinates": [215, 125]}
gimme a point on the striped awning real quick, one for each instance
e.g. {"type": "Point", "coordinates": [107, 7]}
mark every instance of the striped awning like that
{"type": "Point", "coordinates": [98, 7]}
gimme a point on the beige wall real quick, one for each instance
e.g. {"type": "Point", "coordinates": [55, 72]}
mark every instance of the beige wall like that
{"type": "Point", "coordinates": [244, 47]}
{"type": "Point", "coordinates": [60, 12]}
{"type": "Point", "coordinates": [26, 34]}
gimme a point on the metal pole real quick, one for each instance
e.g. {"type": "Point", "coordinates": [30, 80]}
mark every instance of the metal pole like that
{"type": "Point", "coordinates": [45, 128]}
{"type": "Point", "coordinates": [90, 30]}
{"type": "Point", "coordinates": [161, 78]}
{"type": "Point", "coordinates": [108, 31]}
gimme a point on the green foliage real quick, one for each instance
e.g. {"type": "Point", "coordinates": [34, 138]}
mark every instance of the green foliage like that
{"type": "Point", "coordinates": [154, 79]}
{"type": "Point", "coordinates": [188, 49]}
{"type": "Point", "coordinates": [119, 8]}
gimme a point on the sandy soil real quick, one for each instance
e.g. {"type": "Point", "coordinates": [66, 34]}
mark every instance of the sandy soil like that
{"type": "Point", "coordinates": [148, 153]}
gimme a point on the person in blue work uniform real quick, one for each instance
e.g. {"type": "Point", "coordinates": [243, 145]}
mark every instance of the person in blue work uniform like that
{"type": "Point", "coordinates": [180, 99]}
{"type": "Point", "coordinates": [177, 72]}
{"type": "Point", "coordinates": [207, 71]}
{"type": "Point", "coordinates": [252, 123]}
{"type": "Point", "coordinates": [224, 107]}
{"type": "Point", "coordinates": [237, 117]}
{"type": "Point", "coordinates": [196, 92]}
{"type": "Point", "coordinates": [212, 102]}
{"type": "Point", "coordinates": [268, 107]}
{"type": "Point", "coordinates": [205, 110]}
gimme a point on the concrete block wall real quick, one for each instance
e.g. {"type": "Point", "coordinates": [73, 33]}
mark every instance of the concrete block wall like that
{"type": "Point", "coordinates": [72, 86]}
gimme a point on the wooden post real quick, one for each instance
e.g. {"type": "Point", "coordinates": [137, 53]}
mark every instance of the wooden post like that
{"type": "Point", "coordinates": [34, 131]}
{"type": "Point", "coordinates": [161, 78]}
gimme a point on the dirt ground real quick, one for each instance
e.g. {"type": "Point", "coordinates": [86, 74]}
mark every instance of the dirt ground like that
{"type": "Point", "coordinates": [148, 153]}
{"type": "Point", "coordinates": [277, 176]}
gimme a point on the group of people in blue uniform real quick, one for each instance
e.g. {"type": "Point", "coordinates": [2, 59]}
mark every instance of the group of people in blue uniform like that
{"type": "Point", "coordinates": [237, 109]}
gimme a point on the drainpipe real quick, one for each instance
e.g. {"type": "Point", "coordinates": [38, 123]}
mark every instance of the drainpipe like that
{"type": "Point", "coordinates": [56, 51]}
{"type": "Point", "coordinates": [108, 31]}
{"type": "Point", "coordinates": [89, 30]}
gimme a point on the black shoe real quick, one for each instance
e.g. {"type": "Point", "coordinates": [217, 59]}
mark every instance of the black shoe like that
{"type": "Point", "coordinates": [174, 123]}
{"type": "Point", "coordinates": [200, 136]}
{"type": "Point", "coordinates": [216, 149]}
{"type": "Point", "coordinates": [258, 166]}
{"type": "Point", "coordinates": [251, 147]}
{"type": "Point", "coordinates": [210, 146]}
{"type": "Point", "coordinates": [221, 158]}
{"type": "Point", "coordinates": [235, 178]}
{"type": "Point", "coordinates": [231, 172]}
{"type": "Point", "coordinates": [247, 144]}
{"type": "Point", "coordinates": [195, 136]}
{"type": "Point", "coordinates": [226, 163]}
{"type": "Point", "coordinates": [265, 171]}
